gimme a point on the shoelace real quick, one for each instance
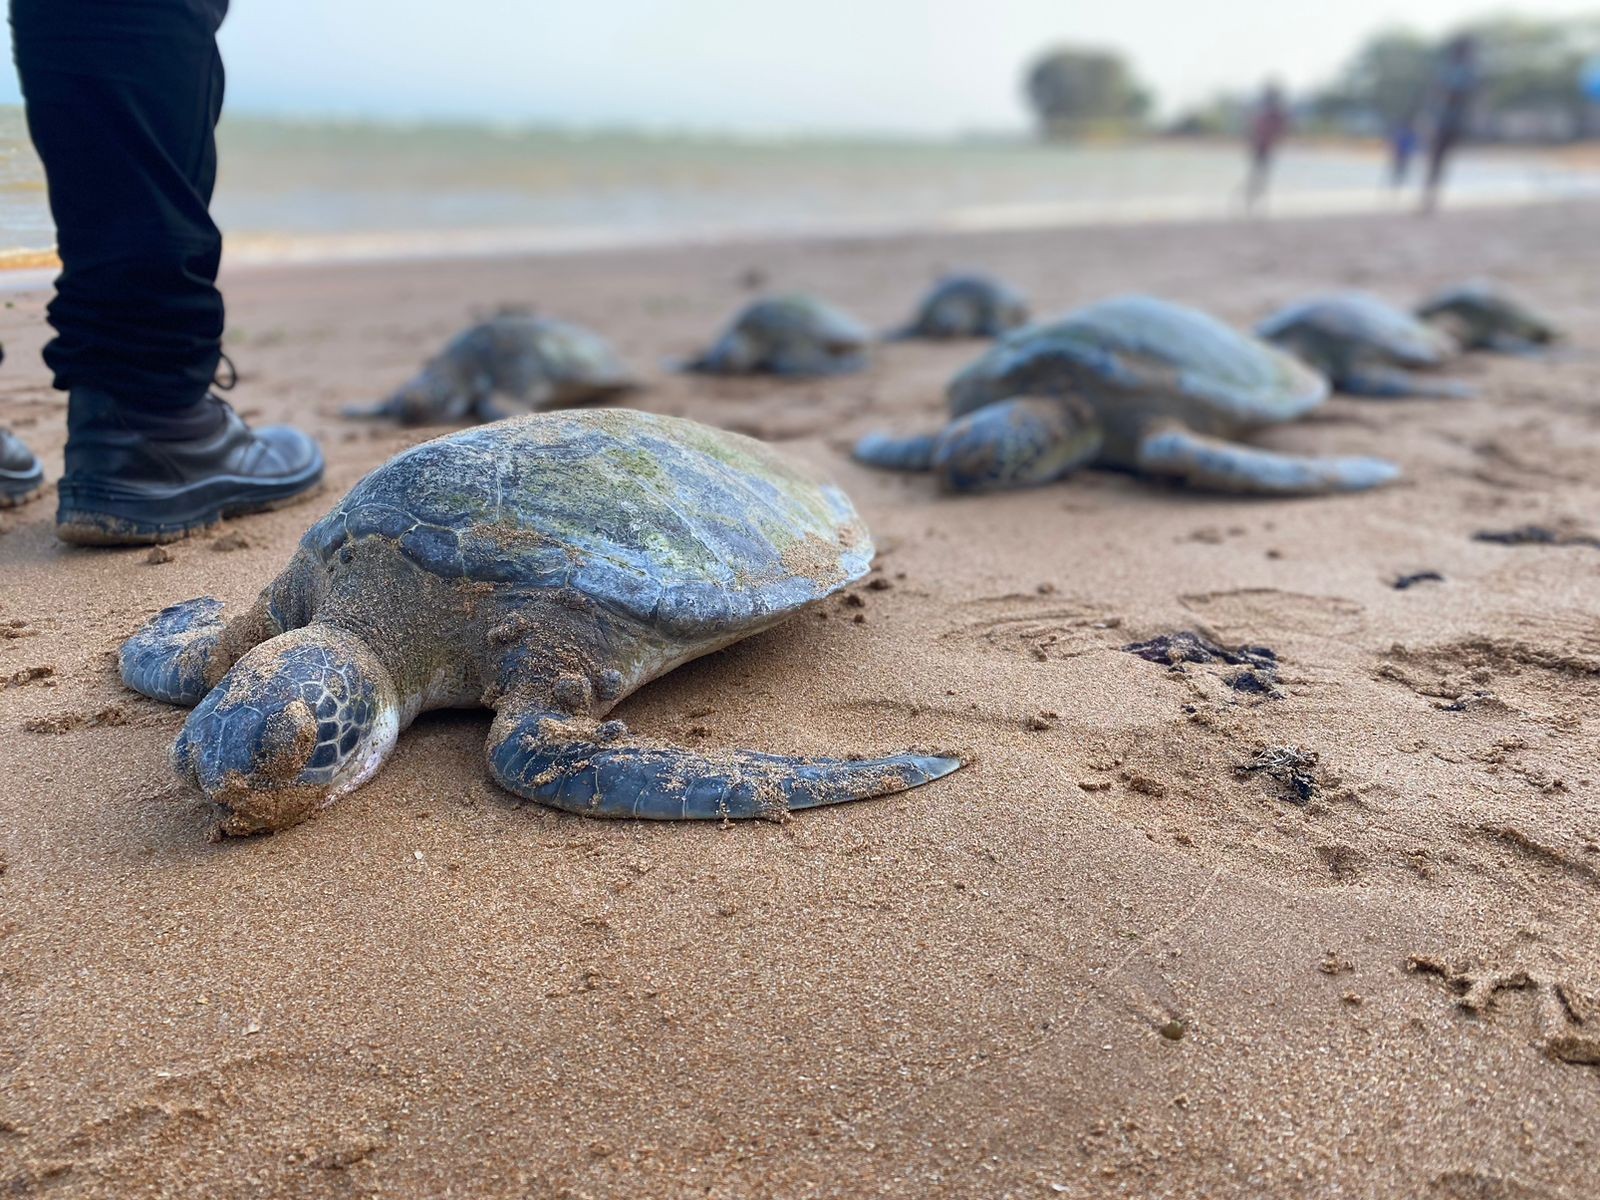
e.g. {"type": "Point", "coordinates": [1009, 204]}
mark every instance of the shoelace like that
{"type": "Point", "coordinates": [233, 375]}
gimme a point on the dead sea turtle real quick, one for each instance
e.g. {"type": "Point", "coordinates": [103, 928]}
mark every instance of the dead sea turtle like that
{"type": "Point", "coordinates": [532, 363]}
{"type": "Point", "coordinates": [544, 567]}
{"type": "Point", "coordinates": [787, 335]}
{"type": "Point", "coordinates": [1364, 345]}
{"type": "Point", "coordinates": [967, 306]}
{"type": "Point", "coordinates": [1135, 383]}
{"type": "Point", "coordinates": [1481, 316]}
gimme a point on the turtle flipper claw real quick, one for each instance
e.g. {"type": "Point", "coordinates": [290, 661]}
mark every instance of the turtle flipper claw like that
{"type": "Point", "coordinates": [1220, 466]}
{"type": "Point", "coordinates": [167, 658]}
{"type": "Point", "coordinates": [603, 774]}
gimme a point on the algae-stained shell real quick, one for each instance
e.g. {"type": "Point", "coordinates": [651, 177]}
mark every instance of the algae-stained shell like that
{"type": "Point", "coordinates": [660, 519]}
{"type": "Point", "coordinates": [1362, 319]}
{"type": "Point", "coordinates": [1136, 344]}
{"type": "Point", "coordinates": [979, 299]}
{"type": "Point", "coordinates": [577, 354]}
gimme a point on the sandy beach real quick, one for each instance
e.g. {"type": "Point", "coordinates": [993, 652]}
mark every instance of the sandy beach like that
{"type": "Point", "coordinates": [1106, 959]}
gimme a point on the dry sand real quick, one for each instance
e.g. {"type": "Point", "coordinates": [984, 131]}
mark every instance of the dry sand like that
{"type": "Point", "coordinates": [966, 990]}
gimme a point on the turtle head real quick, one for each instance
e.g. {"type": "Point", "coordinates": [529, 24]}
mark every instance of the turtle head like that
{"type": "Point", "coordinates": [734, 353]}
{"type": "Point", "coordinates": [1518, 323]}
{"type": "Point", "coordinates": [298, 722]}
{"type": "Point", "coordinates": [1031, 361]}
{"type": "Point", "coordinates": [434, 394]}
{"type": "Point", "coordinates": [1014, 312]}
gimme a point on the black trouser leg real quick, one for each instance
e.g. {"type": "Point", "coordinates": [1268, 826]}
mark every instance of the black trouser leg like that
{"type": "Point", "coordinates": [123, 98]}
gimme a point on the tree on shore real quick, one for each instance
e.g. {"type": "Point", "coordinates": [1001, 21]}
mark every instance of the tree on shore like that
{"type": "Point", "coordinates": [1532, 72]}
{"type": "Point", "coordinates": [1075, 90]}
{"type": "Point", "coordinates": [1388, 77]}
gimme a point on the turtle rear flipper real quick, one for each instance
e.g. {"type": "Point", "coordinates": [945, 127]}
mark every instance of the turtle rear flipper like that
{"type": "Point", "coordinates": [1220, 466]}
{"type": "Point", "coordinates": [601, 773]}
{"type": "Point", "coordinates": [1385, 383]}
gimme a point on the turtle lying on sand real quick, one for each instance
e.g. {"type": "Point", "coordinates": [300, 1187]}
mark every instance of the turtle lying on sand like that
{"type": "Point", "coordinates": [1364, 345]}
{"type": "Point", "coordinates": [967, 306]}
{"type": "Point", "coordinates": [1480, 316]}
{"type": "Point", "coordinates": [787, 335]}
{"type": "Point", "coordinates": [532, 363]}
{"type": "Point", "coordinates": [1135, 383]}
{"type": "Point", "coordinates": [544, 567]}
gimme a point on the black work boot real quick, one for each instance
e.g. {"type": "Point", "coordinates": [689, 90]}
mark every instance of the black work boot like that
{"type": "Point", "coordinates": [128, 484]}
{"type": "Point", "coordinates": [21, 475]}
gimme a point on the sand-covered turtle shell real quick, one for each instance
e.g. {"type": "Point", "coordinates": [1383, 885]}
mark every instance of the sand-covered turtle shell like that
{"type": "Point", "coordinates": [773, 317]}
{"type": "Point", "coordinates": [525, 354]}
{"type": "Point", "coordinates": [1202, 371]}
{"type": "Point", "coordinates": [670, 523]}
{"type": "Point", "coordinates": [969, 304]}
{"type": "Point", "coordinates": [1356, 325]}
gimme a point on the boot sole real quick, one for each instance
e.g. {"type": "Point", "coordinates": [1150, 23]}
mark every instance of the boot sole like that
{"type": "Point", "coordinates": [108, 519]}
{"type": "Point", "coordinates": [19, 489]}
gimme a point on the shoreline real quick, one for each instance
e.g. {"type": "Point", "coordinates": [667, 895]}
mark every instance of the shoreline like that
{"type": "Point", "coordinates": [247, 251]}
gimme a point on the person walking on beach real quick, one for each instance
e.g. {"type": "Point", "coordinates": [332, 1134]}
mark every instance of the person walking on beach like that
{"type": "Point", "coordinates": [1269, 125]}
{"type": "Point", "coordinates": [1402, 149]}
{"type": "Point", "coordinates": [122, 100]}
{"type": "Point", "coordinates": [1455, 84]}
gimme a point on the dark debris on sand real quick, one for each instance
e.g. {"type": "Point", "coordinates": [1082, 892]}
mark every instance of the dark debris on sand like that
{"type": "Point", "coordinates": [1535, 535]}
{"type": "Point", "coordinates": [1293, 768]}
{"type": "Point", "coordinates": [1406, 581]}
{"type": "Point", "coordinates": [1258, 673]}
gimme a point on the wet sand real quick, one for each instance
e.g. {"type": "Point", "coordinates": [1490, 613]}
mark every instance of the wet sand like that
{"type": "Point", "coordinates": [1105, 960]}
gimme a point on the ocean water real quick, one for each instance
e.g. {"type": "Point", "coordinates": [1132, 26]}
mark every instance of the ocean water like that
{"type": "Point", "coordinates": [328, 189]}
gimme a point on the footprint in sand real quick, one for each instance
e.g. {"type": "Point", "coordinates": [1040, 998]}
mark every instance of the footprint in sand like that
{"type": "Point", "coordinates": [219, 1105]}
{"type": "Point", "coordinates": [1212, 787]}
{"type": "Point", "coordinates": [1567, 1019]}
{"type": "Point", "coordinates": [1496, 675]}
{"type": "Point", "coordinates": [1043, 627]}
{"type": "Point", "coordinates": [1264, 612]}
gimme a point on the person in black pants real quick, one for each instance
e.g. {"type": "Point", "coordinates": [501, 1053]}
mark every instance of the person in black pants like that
{"type": "Point", "coordinates": [122, 100]}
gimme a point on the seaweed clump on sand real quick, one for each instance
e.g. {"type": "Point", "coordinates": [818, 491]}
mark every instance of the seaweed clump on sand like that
{"type": "Point", "coordinates": [1535, 535]}
{"type": "Point", "coordinates": [1292, 768]}
{"type": "Point", "coordinates": [1258, 673]}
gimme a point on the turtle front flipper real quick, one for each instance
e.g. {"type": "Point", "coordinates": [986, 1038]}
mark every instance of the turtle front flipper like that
{"type": "Point", "coordinates": [914, 453]}
{"type": "Point", "coordinates": [1013, 444]}
{"type": "Point", "coordinates": [1219, 466]}
{"type": "Point", "coordinates": [599, 771]}
{"type": "Point", "coordinates": [179, 654]}
{"type": "Point", "coordinates": [439, 394]}
{"type": "Point", "coordinates": [1389, 383]}
{"type": "Point", "coordinates": [1517, 347]}
{"type": "Point", "coordinates": [167, 658]}
{"type": "Point", "coordinates": [811, 362]}
{"type": "Point", "coordinates": [1016, 443]}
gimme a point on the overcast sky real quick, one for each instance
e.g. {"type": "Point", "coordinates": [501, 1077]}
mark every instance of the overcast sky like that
{"type": "Point", "coordinates": [926, 66]}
